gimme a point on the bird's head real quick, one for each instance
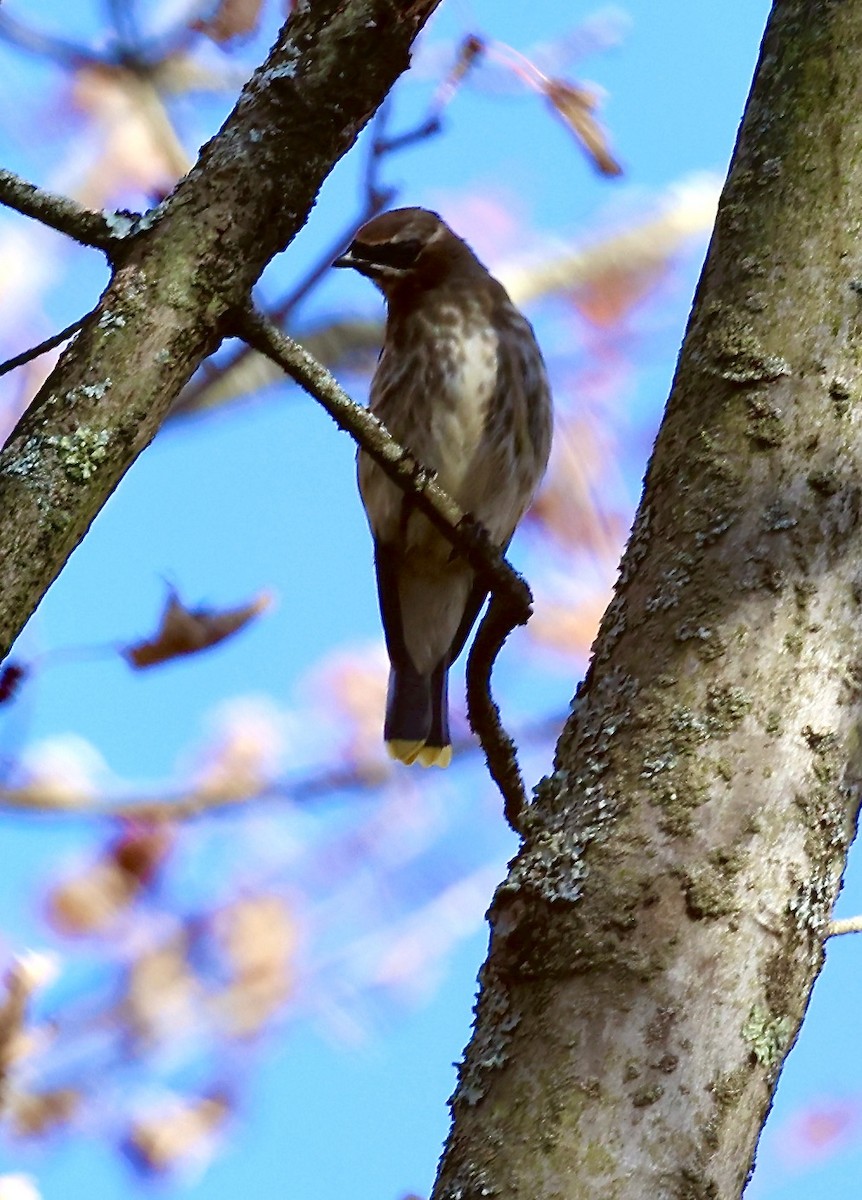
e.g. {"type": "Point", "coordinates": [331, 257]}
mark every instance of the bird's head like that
{"type": "Point", "coordinates": [406, 246]}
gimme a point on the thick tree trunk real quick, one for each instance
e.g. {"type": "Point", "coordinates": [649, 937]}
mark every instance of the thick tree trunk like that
{"type": "Point", "coordinates": [182, 275]}
{"type": "Point", "coordinates": [655, 944]}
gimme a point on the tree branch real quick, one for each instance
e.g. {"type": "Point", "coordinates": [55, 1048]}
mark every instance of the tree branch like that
{"type": "Point", "coordinates": [57, 212]}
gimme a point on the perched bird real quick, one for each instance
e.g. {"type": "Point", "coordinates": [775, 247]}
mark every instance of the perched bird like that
{"type": "Point", "coordinates": [460, 383]}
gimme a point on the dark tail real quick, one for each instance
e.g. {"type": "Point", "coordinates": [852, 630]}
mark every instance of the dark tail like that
{"type": "Point", "coordinates": [417, 716]}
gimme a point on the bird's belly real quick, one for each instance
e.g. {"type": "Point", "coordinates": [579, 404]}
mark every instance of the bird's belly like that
{"type": "Point", "coordinates": [446, 428]}
{"type": "Point", "coordinates": [458, 416]}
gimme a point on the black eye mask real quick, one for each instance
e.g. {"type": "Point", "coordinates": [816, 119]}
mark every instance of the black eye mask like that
{"type": "Point", "coordinates": [401, 255]}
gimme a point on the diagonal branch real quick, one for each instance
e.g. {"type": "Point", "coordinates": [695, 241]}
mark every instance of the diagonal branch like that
{"type": "Point", "coordinates": [50, 343]}
{"type": "Point", "coordinates": [57, 212]}
{"type": "Point", "coordinates": [511, 602]}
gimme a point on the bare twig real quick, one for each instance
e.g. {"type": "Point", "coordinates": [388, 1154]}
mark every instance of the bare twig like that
{"type": "Point", "coordinates": [57, 212]}
{"type": "Point", "coordinates": [350, 344]}
{"type": "Point", "coordinates": [844, 925]}
{"type": "Point", "coordinates": [56, 339]}
{"type": "Point", "coordinates": [374, 160]}
{"type": "Point", "coordinates": [189, 804]}
{"type": "Point", "coordinates": [428, 128]}
{"type": "Point", "coordinates": [511, 598]}
{"type": "Point", "coordinates": [44, 45]}
{"type": "Point", "coordinates": [484, 715]}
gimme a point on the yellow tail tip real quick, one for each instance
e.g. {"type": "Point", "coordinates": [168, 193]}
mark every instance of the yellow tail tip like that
{"type": "Point", "coordinates": [411, 752]}
{"type": "Point", "coordinates": [435, 756]}
{"type": "Point", "coordinates": [403, 751]}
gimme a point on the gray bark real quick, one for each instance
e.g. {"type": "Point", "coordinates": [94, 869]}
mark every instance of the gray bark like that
{"type": "Point", "coordinates": [654, 946]}
{"type": "Point", "coordinates": [181, 276]}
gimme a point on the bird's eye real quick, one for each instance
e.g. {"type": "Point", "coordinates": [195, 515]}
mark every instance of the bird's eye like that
{"type": "Point", "coordinates": [400, 255]}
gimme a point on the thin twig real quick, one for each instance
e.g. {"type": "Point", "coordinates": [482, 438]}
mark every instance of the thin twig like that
{"type": "Point", "coordinates": [371, 187]}
{"type": "Point", "coordinates": [56, 339]}
{"type": "Point", "coordinates": [57, 212]}
{"type": "Point", "coordinates": [187, 804]}
{"type": "Point", "coordinates": [844, 925]}
{"type": "Point", "coordinates": [511, 599]}
{"type": "Point", "coordinates": [483, 713]}
{"type": "Point", "coordinates": [429, 127]}
{"type": "Point", "coordinates": [44, 45]}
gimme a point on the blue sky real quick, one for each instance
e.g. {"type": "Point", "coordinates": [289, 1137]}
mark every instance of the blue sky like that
{"type": "Point", "coordinates": [263, 497]}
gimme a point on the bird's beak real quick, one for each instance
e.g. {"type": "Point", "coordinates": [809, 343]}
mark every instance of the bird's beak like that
{"type": "Point", "coordinates": [344, 260]}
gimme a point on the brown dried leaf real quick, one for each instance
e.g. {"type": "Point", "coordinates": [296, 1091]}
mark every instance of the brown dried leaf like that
{"type": "Point", "coordinates": [232, 18]}
{"type": "Point", "coordinates": [163, 1140]}
{"type": "Point", "coordinates": [188, 631]}
{"type": "Point", "coordinates": [141, 849]}
{"type": "Point", "coordinates": [92, 901]}
{"type": "Point", "coordinates": [33, 1114]}
{"type": "Point", "coordinates": [469, 50]}
{"type": "Point", "coordinates": [575, 105]}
